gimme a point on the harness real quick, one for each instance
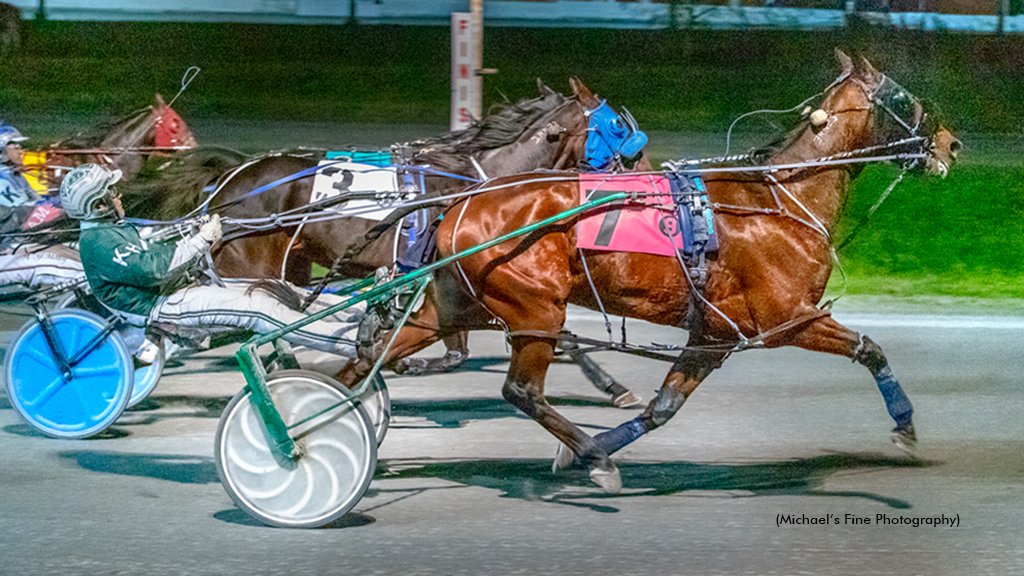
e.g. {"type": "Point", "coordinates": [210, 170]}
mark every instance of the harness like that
{"type": "Point", "coordinates": [692, 207]}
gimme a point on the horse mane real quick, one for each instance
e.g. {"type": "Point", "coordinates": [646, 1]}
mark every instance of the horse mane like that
{"type": "Point", "coordinates": [503, 125]}
{"type": "Point", "coordinates": [169, 188]}
{"type": "Point", "coordinates": [94, 136]}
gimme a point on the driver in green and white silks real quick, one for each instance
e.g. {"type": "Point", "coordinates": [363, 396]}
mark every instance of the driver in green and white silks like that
{"type": "Point", "coordinates": [155, 281]}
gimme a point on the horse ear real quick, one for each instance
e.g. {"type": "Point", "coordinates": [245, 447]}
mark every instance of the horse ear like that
{"type": "Point", "coordinates": [160, 101]}
{"type": "Point", "coordinates": [844, 61]}
{"type": "Point", "coordinates": [544, 90]}
{"type": "Point", "coordinates": [867, 71]}
{"type": "Point", "coordinates": [581, 92]}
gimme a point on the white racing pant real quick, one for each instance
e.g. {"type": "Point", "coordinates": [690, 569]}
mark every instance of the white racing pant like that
{"type": "Point", "coordinates": [214, 307]}
{"type": "Point", "coordinates": [36, 269]}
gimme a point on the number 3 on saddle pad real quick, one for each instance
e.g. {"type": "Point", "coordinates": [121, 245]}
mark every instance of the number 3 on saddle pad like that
{"type": "Point", "coordinates": [335, 178]}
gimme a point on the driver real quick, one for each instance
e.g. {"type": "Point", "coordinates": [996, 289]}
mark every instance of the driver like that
{"type": "Point", "coordinates": [155, 281]}
{"type": "Point", "coordinates": [14, 189]}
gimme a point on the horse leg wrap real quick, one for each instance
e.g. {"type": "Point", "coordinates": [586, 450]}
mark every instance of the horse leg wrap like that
{"type": "Point", "coordinates": [625, 434]}
{"type": "Point", "coordinates": [896, 402]}
{"type": "Point", "coordinates": [666, 405]}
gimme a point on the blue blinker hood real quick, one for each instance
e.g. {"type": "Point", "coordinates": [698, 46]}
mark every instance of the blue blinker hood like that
{"type": "Point", "coordinates": [611, 136]}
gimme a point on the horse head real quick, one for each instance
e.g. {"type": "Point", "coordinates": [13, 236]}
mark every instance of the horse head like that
{"type": "Point", "coordinates": [610, 138]}
{"type": "Point", "coordinates": [546, 132]}
{"type": "Point", "coordinates": [170, 131]}
{"type": "Point", "coordinates": [881, 116]}
{"type": "Point", "coordinates": [154, 130]}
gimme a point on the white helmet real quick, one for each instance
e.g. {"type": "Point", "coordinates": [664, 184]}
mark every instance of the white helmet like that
{"type": "Point", "coordinates": [84, 187]}
{"type": "Point", "coordinates": [8, 134]}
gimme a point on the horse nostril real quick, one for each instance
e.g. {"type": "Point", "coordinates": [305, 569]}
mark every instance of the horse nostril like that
{"type": "Point", "coordinates": [954, 147]}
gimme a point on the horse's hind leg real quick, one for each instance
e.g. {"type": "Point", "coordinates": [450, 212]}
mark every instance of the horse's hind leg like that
{"type": "Point", "coordinates": [457, 353]}
{"type": "Point", "coordinates": [827, 335]}
{"type": "Point", "coordinates": [524, 389]}
{"type": "Point", "coordinates": [622, 397]}
{"type": "Point", "coordinates": [688, 371]}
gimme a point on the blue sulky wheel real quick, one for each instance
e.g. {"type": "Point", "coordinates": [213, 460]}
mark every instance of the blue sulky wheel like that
{"type": "Point", "coordinates": [147, 376]}
{"type": "Point", "coordinates": [78, 407]}
{"type": "Point", "coordinates": [339, 453]}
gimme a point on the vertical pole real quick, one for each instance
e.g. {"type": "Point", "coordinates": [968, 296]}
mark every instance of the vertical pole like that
{"type": "Point", "coordinates": [463, 71]}
{"type": "Point", "coordinates": [1004, 11]}
{"type": "Point", "coordinates": [476, 8]}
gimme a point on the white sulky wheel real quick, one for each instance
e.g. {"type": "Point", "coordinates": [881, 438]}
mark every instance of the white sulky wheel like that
{"type": "Point", "coordinates": [78, 407]}
{"type": "Point", "coordinates": [338, 461]}
{"type": "Point", "coordinates": [377, 403]}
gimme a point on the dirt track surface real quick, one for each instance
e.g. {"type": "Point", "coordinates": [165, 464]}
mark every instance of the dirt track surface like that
{"type": "Point", "coordinates": [464, 485]}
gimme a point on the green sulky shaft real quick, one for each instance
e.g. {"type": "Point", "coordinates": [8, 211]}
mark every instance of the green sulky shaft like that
{"type": "Point", "coordinates": [252, 368]}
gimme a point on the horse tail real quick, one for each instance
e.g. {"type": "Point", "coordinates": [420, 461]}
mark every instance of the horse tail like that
{"type": "Point", "coordinates": [277, 290]}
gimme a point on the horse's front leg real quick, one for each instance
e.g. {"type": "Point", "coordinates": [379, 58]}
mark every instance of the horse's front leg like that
{"type": "Point", "coordinates": [827, 335]}
{"type": "Point", "coordinates": [688, 371]}
{"type": "Point", "coordinates": [524, 389]}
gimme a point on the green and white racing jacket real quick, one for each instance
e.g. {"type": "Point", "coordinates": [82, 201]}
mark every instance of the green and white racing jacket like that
{"type": "Point", "coordinates": [128, 273]}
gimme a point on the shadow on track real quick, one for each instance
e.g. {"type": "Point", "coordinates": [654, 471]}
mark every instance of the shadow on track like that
{"type": "Point", "coordinates": [170, 467]}
{"type": "Point", "coordinates": [456, 413]}
{"type": "Point", "coordinates": [533, 480]}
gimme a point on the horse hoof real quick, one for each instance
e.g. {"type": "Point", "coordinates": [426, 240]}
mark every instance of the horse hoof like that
{"type": "Point", "coordinates": [626, 400]}
{"type": "Point", "coordinates": [905, 439]}
{"type": "Point", "coordinates": [564, 458]}
{"type": "Point", "coordinates": [410, 366]}
{"type": "Point", "coordinates": [609, 480]}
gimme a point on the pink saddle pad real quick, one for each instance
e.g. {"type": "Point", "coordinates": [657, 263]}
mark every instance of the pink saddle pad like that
{"type": "Point", "coordinates": [629, 226]}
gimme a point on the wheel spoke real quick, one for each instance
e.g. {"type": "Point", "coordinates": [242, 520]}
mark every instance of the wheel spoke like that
{"type": "Point", "coordinates": [45, 394]}
{"type": "Point", "coordinates": [42, 356]}
{"type": "Point", "coordinates": [95, 371]}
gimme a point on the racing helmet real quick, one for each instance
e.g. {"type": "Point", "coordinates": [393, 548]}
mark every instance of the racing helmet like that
{"type": "Point", "coordinates": [86, 186]}
{"type": "Point", "coordinates": [8, 134]}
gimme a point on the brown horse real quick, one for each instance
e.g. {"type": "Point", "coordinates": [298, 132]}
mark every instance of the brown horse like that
{"type": "Point", "coordinates": [764, 285]}
{"type": "Point", "coordinates": [127, 143]}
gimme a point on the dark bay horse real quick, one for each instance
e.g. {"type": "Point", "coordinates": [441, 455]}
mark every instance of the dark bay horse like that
{"type": "Point", "coordinates": [548, 132]}
{"type": "Point", "coordinates": [774, 259]}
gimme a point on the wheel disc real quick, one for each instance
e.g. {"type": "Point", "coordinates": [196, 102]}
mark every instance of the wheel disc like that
{"type": "Point", "coordinates": [87, 403]}
{"type": "Point", "coordinates": [377, 403]}
{"type": "Point", "coordinates": [147, 376]}
{"type": "Point", "coordinates": [340, 453]}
